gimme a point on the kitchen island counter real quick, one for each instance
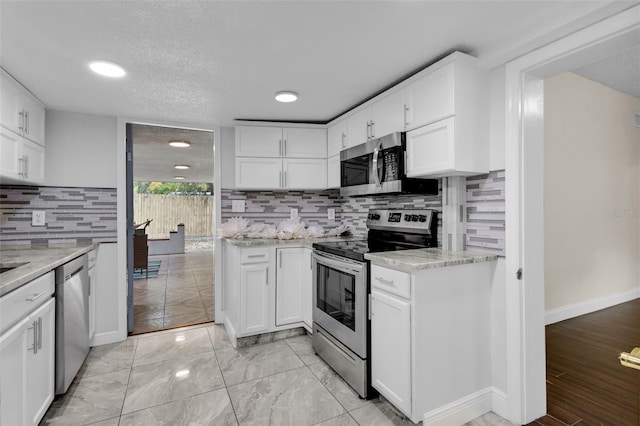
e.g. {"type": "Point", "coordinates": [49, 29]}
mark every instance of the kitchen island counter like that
{"type": "Point", "coordinates": [428, 258]}
{"type": "Point", "coordinates": [38, 259]}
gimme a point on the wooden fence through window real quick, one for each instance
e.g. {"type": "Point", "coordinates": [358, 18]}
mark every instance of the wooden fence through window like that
{"type": "Point", "coordinates": [167, 211]}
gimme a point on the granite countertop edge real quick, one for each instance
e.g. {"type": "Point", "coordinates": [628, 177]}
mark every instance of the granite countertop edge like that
{"type": "Point", "coordinates": [429, 258]}
{"type": "Point", "coordinates": [40, 260]}
{"type": "Point", "coordinates": [299, 242]}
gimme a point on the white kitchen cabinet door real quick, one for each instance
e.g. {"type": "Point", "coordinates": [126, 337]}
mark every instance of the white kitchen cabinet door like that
{"type": "Point", "coordinates": [391, 348]}
{"type": "Point", "coordinates": [9, 103]}
{"type": "Point", "coordinates": [20, 112]}
{"type": "Point", "coordinates": [258, 141]}
{"type": "Point", "coordinates": [254, 298]}
{"type": "Point", "coordinates": [34, 120]}
{"type": "Point", "coordinates": [333, 172]}
{"type": "Point", "coordinates": [10, 155]}
{"type": "Point", "coordinates": [13, 370]}
{"type": "Point", "coordinates": [304, 143]}
{"type": "Point", "coordinates": [305, 173]}
{"type": "Point", "coordinates": [388, 114]}
{"type": "Point", "coordinates": [430, 149]}
{"type": "Point", "coordinates": [259, 173]}
{"type": "Point", "coordinates": [290, 269]}
{"type": "Point", "coordinates": [431, 98]}
{"type": "Point", "coordinates": [32, 162]}
{"type": "Point", "coordinates": [337, 138]}
{"type": "Point", "coordinates": [359, 127]}
{"type": "Point", "coordinates": [40, 380]}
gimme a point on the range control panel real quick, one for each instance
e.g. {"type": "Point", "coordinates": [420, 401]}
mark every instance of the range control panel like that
{"type": "Point", "coordinates": [400, 219]}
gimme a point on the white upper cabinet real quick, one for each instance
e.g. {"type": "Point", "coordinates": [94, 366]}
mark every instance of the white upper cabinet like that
{"type": "Point", "coordinates": [333, 172]}
{"type": "Point", "coordinates": [430, 98]}
{"type": "Point", "coordinates": [292, 142]}
{"type": "Point", "coordinates": [337, 138]}
{"type": "Point", "coordinates": [21, 161]}
{"type": "Point", "coordinates": [388, 114]}
{"type": "Point", "coordinates": [304, 143]}
{"type": "Point", "coordinates": [20, 111]}
{"type": "Point", "coordinates": [359, 127]}
{"type": "Point", "coordinates": [280, 158]}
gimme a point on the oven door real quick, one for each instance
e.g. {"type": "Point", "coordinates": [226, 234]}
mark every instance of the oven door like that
{"type": "Point", "coordinates": [340, 299]}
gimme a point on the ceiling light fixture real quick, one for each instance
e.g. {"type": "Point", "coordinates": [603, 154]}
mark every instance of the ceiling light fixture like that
{"type": "Point", "coordinates": [107, 69]}
{"type": "Point", "coordinates": [286, 96]}
{"type": "Point", "coordinates": [180, 144]}
{"type": "Point", "coordinates": [181, 166]}
{"type": "Point", "coordinates": [179, 177]}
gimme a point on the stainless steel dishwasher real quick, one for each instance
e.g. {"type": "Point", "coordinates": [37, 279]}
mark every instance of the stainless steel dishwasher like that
{"type": "Point", "coordinates": [72, 320]}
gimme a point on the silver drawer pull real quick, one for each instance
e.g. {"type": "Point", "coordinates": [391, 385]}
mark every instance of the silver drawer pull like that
{"type": "Point", "coordinates": [386, 282]}
{"type": "Point", "coordinates": [35, 296]}
{"type": "Point", "coordinates": [255, 255]}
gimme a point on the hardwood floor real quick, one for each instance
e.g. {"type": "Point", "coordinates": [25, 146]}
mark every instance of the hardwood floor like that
{"type": "Point", "coordinates": [586, 385]}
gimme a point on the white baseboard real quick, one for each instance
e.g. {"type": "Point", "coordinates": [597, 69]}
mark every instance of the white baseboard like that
{"type": "Point", "coordinates": [575, 310]}
{"type": "Point", "coordinates": [231, 332]}
{"type": "Point", "coordinates": [107, 338]}
{"type": "Point", "coordinates": [461, 411]}
{"type": "Point", "coordinates": [500, 404]}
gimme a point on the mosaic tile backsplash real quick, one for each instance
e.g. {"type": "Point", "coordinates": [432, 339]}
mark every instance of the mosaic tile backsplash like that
{"type": "Point", "coordinates": [486, 212]}
{"type": "Point", "coordinates": [71, 214]}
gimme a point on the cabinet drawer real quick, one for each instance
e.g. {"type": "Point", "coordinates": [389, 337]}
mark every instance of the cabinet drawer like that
{"type": "Point", "coordinates": [21, 302]}
{"type": "Point", "coordinates": [258, 255]}
{"type": "Point", "coordinates": [394, 282]}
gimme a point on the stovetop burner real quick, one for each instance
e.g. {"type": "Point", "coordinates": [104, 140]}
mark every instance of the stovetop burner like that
{"type": "Point", "coordinates": [389, 230]}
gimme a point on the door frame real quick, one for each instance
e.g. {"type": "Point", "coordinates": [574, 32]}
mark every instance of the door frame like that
{"type": "Point", "coordinates": [524, 189]}
{"type": "Point", "coordinates": [122, 259]}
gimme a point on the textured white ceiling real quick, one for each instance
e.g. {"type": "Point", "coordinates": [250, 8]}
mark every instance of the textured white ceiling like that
{"type": "Point", "coordinates": [620, 71]}
{"type": "Point", "coordinates": [207, 63]}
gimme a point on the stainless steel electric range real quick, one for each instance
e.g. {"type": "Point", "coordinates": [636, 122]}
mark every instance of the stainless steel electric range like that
{"type": "Point", "coordinates": [341, 289]}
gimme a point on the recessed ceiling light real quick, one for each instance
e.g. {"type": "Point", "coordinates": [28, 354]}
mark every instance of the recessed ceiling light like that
{"type": "Point", "coordinates": [180, 144]}
{"type": "Point", "coordinates": [107, 69]}
{"type": "Point", "coordinates": [286, 96]}
{"type": "Point", "coordinates": [178, 177]}
{"type": "Point", "coordinates": [181, 166]}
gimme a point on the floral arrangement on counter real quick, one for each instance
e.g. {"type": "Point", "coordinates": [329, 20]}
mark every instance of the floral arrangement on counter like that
{"type": "Point", "coordinates": [288, 229]}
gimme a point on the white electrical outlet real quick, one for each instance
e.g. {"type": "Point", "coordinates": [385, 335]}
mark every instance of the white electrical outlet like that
{"type": "Point", "coordinates": [331, 214]}
{"type": "Point", "coordinates": [238, 206]}
{"type": "Point", "coordinates": [37, 218]}
{"type": "Point", "coordinates": [294, 213]}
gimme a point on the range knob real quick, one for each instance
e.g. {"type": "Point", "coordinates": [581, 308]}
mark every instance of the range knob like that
{"type": "Point", "coordinates": [407, 218]}
{"type": "Point", "coordinates": [375, 216]}
{"type": "Point", "coordinates": [422, 218]}
{"type": "Point", "coordinates": [414, 218]}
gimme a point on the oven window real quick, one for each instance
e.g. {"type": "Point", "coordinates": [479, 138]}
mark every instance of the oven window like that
{"type": "Point", "coordinates": [355, 171]}
{"type": "Point", "coordinates": [336, 295]}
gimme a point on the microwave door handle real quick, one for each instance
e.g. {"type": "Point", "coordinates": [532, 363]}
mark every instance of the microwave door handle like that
{"type": "Point", "coordinates": [376, 153]}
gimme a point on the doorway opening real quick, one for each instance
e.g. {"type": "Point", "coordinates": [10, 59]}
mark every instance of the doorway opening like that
{"type": "Point", "coordinates": [171, 202]}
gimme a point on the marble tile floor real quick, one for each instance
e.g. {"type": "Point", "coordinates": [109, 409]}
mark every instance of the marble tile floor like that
{"type": "Point", "coordinates": [181, 294]}
{"type": "Point", "coordinates": [193, 376]}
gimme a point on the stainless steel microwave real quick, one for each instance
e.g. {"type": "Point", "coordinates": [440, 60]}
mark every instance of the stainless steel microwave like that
{"type": "Point", "coordinates": [378, 167]}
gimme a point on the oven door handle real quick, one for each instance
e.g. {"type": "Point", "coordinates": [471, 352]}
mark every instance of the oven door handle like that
{"type": "Point", "coordinates": [338, 265]}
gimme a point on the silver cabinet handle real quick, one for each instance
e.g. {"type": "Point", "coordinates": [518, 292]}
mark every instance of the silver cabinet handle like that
{"type": "Point", "coordinates": [39, 332]}
{"type": "Point", "coordinates": [343, 140]}
{"type": "Point", "coordinates": [280, 147]}
{"type": "Point", "coordinates": [21, 167]}
{"type": "Point", "coordinates": [373, 129]}
{"type": "Point", "coordinates": [21, 119]}
{"type": "Point", "coordinates": [406, 116]}
{"type": "Point", "coordinates": [280, 178]}
{"type": "Point", "coordinates": [285, 179]}
{"type": "Point", "coordinates": [280, 260]}
{"type": "Point", "coordinates": [34, 327]}
{"type": "Point", "coordinates": [368, 130]}
{"type": "Point", "coordinates": [285, 148]}
{"type": "Point", "coordinates": [26, 166]}
{"type": "Point", "coordinates": [35, 296]}
{"type": "Point", "coordinates": [255, 255]}
{"type": "Point", "coordinates": [26, 122]}
{"type": "Point", "coordinates": [384, 281]}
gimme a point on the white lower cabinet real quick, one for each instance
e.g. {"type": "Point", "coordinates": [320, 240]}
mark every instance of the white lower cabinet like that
{"type": "Point", "coordinates": [27, 352]}
{"type": "Point", "coordinates": [391, 344]}
{"type": "Point", "coordinates": [266, 289]}
{"type": "Point", "coordinates": [254, 297]}
{"type": "Point", "coordinates": [430, 335]}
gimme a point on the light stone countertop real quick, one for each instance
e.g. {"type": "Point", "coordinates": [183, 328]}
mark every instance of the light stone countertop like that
{"type": "Point", "coordinates": [430, 258]}
{"type": "Point", "coordinates": [299, 242]}
{"type": "Point", "coordinates": [40, 260]}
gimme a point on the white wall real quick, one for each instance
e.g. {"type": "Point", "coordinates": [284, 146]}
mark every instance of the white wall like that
{"type": "Point", "coordinates": [228, 153]}
{"type": "Point", "coordinates": [592, 192]}
{"type": "Point", "coordinates": [80, 150]}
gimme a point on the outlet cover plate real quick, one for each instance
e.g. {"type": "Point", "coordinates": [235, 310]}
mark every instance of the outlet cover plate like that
{"type": "Point", "coordinates": [37, 218]}
{"type": "Point", "coordinates": [331, 214]}
{"type": "Point", "coordinates": [294, 213]}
